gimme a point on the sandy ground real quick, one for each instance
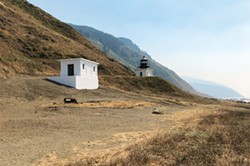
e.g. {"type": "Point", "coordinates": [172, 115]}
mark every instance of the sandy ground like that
{"type": "Point", "coordinates": [35, 123]}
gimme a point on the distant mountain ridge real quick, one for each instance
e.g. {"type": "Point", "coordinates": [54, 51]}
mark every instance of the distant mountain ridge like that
{"type": "Point", "coordinates": [32, 41]}
{"type": "Point", "coordinates": [129, 43]}
{"type": "Point", "coordinates": [212, 89]}
{"type": "Point", "coordinates": [128, 53]}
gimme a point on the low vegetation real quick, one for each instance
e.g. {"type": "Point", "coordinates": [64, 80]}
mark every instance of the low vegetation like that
{"type": "Point", "coordinates": [129, 54]}
{"type": "Point", "coordinates": [217, 140]}
{"type": "Point", "coordinates": [31, 37]}
{"type": "Point", "coordinates": [32, 40]}
{"type": "Point", "coordinates": [211, 137]}
{"type": "Point", "coordinates": [146, 85]}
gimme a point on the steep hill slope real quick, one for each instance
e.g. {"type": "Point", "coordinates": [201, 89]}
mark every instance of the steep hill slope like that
{"type": "Point", "coordinates": [31, 41]}
{"type": "Point", "coordinates": [128, 53]}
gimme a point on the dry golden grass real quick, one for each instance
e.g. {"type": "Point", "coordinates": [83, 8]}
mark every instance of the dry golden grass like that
{"type": "Point", "coordinates": [32, 40]}
{"type": "Point", "coordinates": [215, 137]}
{"type": "Point", "coordinates": [201, 136]}
{"type": "Point", "coordinates": [106, 104]}
{"type": "Point", "coordinates": [153, 86]}
{"type": "Point", "coordinates": [211, 134]}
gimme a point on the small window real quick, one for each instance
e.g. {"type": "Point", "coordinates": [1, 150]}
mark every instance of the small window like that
{"type": "Point", "coordinates": [83, 66]}
{"type": "Point", "coordinates": [70, 69]}
{"type": "Point", "coordinates": [93, 69]}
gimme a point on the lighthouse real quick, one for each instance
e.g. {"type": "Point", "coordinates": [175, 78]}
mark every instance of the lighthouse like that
{"type": "Point", "coordinates": [144, 69]}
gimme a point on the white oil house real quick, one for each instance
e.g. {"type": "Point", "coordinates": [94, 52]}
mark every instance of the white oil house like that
{"type": "Point", "coordinates": [78, 73]}
{"type": "Point", "coordinates": [144, 69]}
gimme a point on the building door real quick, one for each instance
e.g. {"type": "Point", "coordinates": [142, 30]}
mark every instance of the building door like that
{"type": "Point", "coordinates": [141, 74]}
{"type": "Point", "coordinates": [70, 69]}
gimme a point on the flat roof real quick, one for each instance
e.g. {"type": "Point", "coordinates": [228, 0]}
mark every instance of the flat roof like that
{"type": "Point", "coordinates": [78, 59]}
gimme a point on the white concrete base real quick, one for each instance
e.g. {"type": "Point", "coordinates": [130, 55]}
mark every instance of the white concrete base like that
{"type": "Point", "coordinates": [144, 72]}
{"type": "Point", "coordinates": [78, 82]}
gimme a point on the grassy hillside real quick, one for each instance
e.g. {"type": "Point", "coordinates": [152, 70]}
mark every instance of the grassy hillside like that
{"type": "Point", "coordinates": [128, 53]}
{"type": "Point", "coordinates": [144, 85]}
{"type": "Point", "coordinates": [110, 45]}
{"type": "Point", "coordinates": [29, 88]}
{"type": "Point", "coordinates": [31, 41]}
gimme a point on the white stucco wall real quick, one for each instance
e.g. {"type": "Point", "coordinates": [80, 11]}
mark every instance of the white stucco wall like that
{"type": "Point", "coordinates": [88, 69]}
{"type": "Point", "coordinates": [86, 83]}
{"type": "Point", "coordinates": [77, 82]}
{"type": "Point", "coordinates": [145, 72]}
{"type": "Point", "coordinates": [65, 80]}
{"type": "Point", "coordinates": [65, 63]}
{"type": "Point", "coordinates": [86, 78]}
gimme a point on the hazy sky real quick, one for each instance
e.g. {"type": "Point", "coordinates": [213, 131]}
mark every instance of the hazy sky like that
{"type": "Point", "coordinates": [206, 39]}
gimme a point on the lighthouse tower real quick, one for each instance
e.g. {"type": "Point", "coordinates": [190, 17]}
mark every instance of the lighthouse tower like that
{"type": "Point", "coordinates": [144, 69]}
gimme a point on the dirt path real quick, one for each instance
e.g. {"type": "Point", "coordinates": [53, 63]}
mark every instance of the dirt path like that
{"type": "Point", "coordinates": [29, 131]}
{"type": "Point", "coordinates": [36, 126]}
{"type": "Point", "coordinates": [106, 148]}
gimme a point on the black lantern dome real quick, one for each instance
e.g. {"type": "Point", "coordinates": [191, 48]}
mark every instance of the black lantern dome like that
{"type": "Point", "coordinates": [144, 63]}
